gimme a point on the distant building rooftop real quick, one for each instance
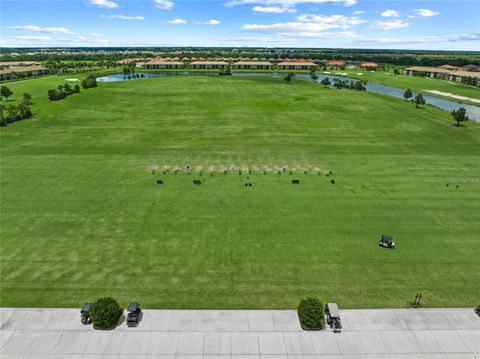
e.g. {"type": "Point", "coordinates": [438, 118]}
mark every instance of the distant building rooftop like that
{"type": "Point", "coordinates": [20, 69]}
{"type": "Point", "coordinates": [264, 63]}
{"type": "Point", "coordinates": [163, 62]}
{"type": "Point", "coordinates": [209, 63]}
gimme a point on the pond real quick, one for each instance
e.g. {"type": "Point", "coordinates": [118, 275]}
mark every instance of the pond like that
{"type": "Point", "coordinates": [473, 112]}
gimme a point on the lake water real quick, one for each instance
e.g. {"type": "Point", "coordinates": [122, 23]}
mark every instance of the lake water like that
{"type": "Point", "coordinates": [473, 112]}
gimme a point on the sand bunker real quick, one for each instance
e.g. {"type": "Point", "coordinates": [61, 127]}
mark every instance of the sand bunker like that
{"type": "Point", "coordinates": [457, 97]}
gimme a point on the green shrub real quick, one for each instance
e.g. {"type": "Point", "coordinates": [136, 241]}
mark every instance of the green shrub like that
{"type": "Point", "coordinates": [106, 313]}
{"type": "Point", "coordinates": [310, 314]}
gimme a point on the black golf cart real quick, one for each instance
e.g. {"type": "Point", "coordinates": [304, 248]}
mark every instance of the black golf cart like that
{"type": "Point", "coordinates": [134, 312]}
{"type": "Point", "coordinates": [387, 241]}
{"type": "Point", "coordinates": [85, 313]}
{"type": "Point", "coordinates": [333, 316]}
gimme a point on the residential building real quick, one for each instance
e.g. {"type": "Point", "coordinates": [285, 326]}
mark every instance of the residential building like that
{"type": "Point", "coordinates": [290, 65]}
{"type": "Point", "coordinates": [336, 63]}
{"type": "Point", "coordinates": [209, 64]}
{"type": "Point", "coordinates": [436, 72]}
{"type": "Point", "coordinates": [369, 65]}
{"type": "Point", "coordinates": [14, 72]}
{"type": "Point", "coordinates": [162, 64]}
{"type": "Point", "coordinates": [253, 65]}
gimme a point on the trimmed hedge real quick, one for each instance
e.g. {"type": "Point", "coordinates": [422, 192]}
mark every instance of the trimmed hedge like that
{"type": "Point", "coordinates": [311, 314]}
{"type": "Point", "coordinates": [105, 313]}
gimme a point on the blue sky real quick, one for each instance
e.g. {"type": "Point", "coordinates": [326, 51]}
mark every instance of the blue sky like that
{"type": "Point", "coordinates": [439, 24]}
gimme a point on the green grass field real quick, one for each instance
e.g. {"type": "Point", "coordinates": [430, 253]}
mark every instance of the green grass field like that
{"type": "Point", "coordinates": [419, 84]}
{"type": "Point", "coordinates": [82, 215]}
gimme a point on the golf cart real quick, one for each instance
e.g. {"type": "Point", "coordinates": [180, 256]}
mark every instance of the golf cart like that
{"type": "Point", "coordinates": [387, 241]}
{"type": "Point", "coordinates": [333, 316]}
{"type": "Point", "coordinates": [134, 312]}
{"type": "Point", "coordinates": [85, 313]}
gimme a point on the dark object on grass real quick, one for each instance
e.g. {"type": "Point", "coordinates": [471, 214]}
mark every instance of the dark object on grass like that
{"type": "Point", "coordinates": [159, 182]}
{"type": "Point", "coordinates": [197, 182]}
{"type": "Point", "coordinates": [447, 184]}
{"type": "Point", "coordinates": [246, 184]}
{"type": "Point", "coordinates": [224, 172]}
{"type": "Point", "coordinates": [333, 316]}
{"type": "Point", "coordinates": [477, 310]}
{"type": "Point", "coordinates": [105, 313]}
{"type": "Point", "coordinates": [332, 181]}
{"type": "Point", "coordinates": [310, 313]}
{"type": "Point", "coordinates": [417, 302]}
{"type": "Point", "coordinates": [249, 185]}
{"type": "Point", "coordinates": [164, 172]}
{"type": "Point", "coordinates": [85, 313]}
{"type": "Point", "coordinates": [295, 181]}
{"type": "Point", "coordinates": [134, 312]}
{"type": "Point", "coordinates": [457, 185]}
{"type": "Point", "coordinates": [386, 241]}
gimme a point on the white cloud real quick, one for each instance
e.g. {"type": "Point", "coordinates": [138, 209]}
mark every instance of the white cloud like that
{"type": "Point", "coordinates": [390, 13]}
{"type": "Point", "coordinates": [177, 21]}
{"type": "Point", "coordinates": [96, 34]}
{"type": "Point", "coordinates": [389, 25]}
{"type": "Point", "coordinates": [35, 28]}
{"type": "Point", "coordinates": [104, 3]}
{"type": "Point", "coordinates": [164, 4]}
{"type": "Point", "coordinates": [33, 38]}
{"type": "Point", "coordinates": [123, 17]}
{"type": "Point", "coordinates": [273, 9]}
{"type": "Point", "coordinates": [78, 39]}
{"type": "Point", "coordinates": [209, 22]}
{"type": "Point", "coordinates": [289, 3]}
{"type": "Point", "coordinates": [333, 21]}
{"type": "Point", "coordinates": [358, 12]}
{"type": "Point", "coordinates": [428, 39]}
{"type": "Point", "coordinates": [425, 12]}
{"type": "Point", "coordinates": [310, 26]}
{"type": "Point", "coordinates": [264, 40]}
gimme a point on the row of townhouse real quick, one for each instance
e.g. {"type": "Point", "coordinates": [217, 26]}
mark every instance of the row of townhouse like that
{"type": "Point", "coordinates": [441, 72]}
{"type": "Point", "coordinates": [221, 65]}
{"type": "Point", "coordinates": [21, 69]}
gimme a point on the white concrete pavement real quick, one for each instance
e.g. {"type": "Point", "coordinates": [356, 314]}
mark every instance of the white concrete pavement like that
{"type": "Point", "coordinates": [237, 334]}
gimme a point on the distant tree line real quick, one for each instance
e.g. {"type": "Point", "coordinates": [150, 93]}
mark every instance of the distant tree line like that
{"type": "Point", "coordinates": [59, 66]}
{"type": "Point", "coordinates": [106, 57]}
{"type": "Point", "coordinates": [12, 113]}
